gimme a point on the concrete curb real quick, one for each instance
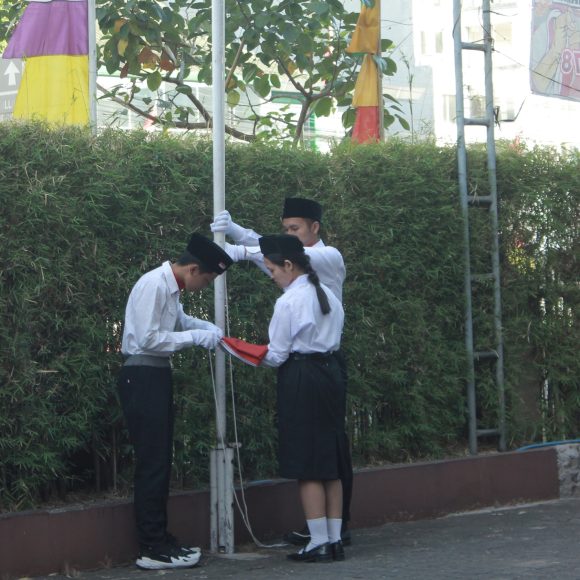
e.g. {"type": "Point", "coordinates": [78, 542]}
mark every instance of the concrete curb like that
{"type": "Point", "coordinates": [100, 535]}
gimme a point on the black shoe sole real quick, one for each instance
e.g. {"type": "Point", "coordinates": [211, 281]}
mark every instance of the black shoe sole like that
{"type": "Point", "coordinates": [300, 541]}
{"type": "Point", "coordinates": [313, 559]}
{"type": "Point", "coordinates": [319, 554]}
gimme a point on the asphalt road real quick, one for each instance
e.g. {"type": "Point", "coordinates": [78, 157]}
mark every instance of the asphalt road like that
{"type": "Point", "coordinates": [533, 541]}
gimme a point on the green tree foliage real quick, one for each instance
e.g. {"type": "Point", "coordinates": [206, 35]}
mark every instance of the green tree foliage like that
{"type": "Point", "coordinates": [273, 49]}
{"type": "Point", "coordinates": [83, 217]}
{"type": "Point", "coordinates": [278, 53]}
{"type": "Point", "coordinates": [10, 12]}
{"type": "Point", "coordinates": [541, 219]}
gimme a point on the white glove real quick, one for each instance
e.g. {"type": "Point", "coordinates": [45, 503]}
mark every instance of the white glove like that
{"type": "Point", "coordinates": [206, 325]}
{"type": "Point", "coordinates": [222, 222]}
{"type": "Point", "coordinates": [205, 338]}
{"type": "Point", "coordinates": [236, 253]}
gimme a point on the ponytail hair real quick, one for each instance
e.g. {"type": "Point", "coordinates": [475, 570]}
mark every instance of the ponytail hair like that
{"type": "Point", "coordinates": [315, 281]}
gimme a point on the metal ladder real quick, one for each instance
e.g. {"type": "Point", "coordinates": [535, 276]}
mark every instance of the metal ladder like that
{"type": "Point", "coordinates": [488, 203]}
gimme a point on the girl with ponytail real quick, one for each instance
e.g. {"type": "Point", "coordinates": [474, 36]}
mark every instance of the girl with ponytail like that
{"type": "Point", "coordinates": [304, 333]}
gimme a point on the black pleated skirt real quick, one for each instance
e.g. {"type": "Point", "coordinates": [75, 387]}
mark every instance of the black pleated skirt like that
{"type": "Point", "coordinates": [311, 413]}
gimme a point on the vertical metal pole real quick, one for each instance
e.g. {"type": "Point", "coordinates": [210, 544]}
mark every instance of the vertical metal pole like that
{"type": "Point", "coordinates": [221, 495]}
{"type": "Point", "coordinates": [224, 533]}
{"type": "Point", "coordinates": [380, 82]}
{"type": "Point", "coordinates": [492, 174]}
{"type": "Point", "coordinates": [229, 494]}
{"type": "Point", "coordinates": [213, 500]}
{"type": "Point", "coordinates": [462, 176]}
{"type": "Point", "coordinates": [92, 37]}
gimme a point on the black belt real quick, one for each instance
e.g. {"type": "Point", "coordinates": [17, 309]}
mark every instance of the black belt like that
{"type": "Point", "coordinates": [310, 355]}
{"type": "Point", "coordinates": [147, 360]}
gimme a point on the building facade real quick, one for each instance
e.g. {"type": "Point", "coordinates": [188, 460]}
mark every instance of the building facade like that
{"type": "Point", "coordinates": [422, 31]}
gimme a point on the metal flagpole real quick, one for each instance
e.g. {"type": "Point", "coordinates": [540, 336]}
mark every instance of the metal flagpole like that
{"type": "Point", "coordinates": [221, 466]}
{"type": "Point", "coordinates": [380, 80]}
{"type": "Point", "coordinates": [92, 36]}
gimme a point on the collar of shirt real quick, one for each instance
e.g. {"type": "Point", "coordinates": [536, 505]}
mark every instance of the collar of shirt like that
{"type": "Point", "coordinates": [180, 284]}
{"type": "Point", "coordinates": [318, 244]}
{"type": "Point", "coordinates": [300, 281]}
{"type": "Point", "coordinates": [170, 277]}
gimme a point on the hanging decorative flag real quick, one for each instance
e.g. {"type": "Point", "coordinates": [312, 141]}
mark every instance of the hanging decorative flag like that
{"type": "Point", "coordinates": [52, 39]}
{"type": "Point", "coordinates": [366, 40]}
{"type": "Point", "coordinates": [555, 48]}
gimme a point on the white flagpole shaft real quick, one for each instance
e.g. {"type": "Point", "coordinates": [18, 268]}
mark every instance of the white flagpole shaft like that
{"type": "Point", "coordinates": [223, 536]}
{"type": "Point", "coordinates": [380, 81]}
{"type": "Point", "coordinates": [213, 500]}
{"type": "Point", "coordinates": [92, 36]}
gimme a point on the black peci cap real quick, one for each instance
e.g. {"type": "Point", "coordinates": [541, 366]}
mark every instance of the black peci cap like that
{"type": "Point", "coordinates": [302, 208]}
{"type": "Point", "coordinates": [282, 245]}
{"type": "Point", "coordinates": [209, 254]}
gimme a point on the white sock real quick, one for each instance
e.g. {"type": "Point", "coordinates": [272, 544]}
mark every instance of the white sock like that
{"type": "Point", "coordinates": [318, 532]}
{"type": "Point", "coordinates": [334, 527]}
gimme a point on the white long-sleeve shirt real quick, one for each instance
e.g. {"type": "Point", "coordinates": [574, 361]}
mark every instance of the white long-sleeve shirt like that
{"type": "Point", "coordinates": [298, 324]}
{"type": "Point", "coordinates": [155, 323]}
{"type": "Point", "coordinates": [326, 261]}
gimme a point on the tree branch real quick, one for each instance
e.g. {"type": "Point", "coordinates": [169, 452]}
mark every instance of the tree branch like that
{"type": "Point", "coordinates": [178, 124]}
{"type": "Point", "coordinates": [235, 63]}
{"type": "Point", "coordinates": [301, 120]}
{"type": "Point", "coordinates": [296, 85]}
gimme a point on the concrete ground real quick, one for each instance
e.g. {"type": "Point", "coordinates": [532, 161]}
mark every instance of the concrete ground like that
{"type": "Point", "coordinates": [532, 541]}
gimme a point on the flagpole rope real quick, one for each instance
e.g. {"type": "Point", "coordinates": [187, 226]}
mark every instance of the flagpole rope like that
{"type": "Point", "coordinates": [243, 510]}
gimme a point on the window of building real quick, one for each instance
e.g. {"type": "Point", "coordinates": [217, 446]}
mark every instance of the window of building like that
{"type": "Point", "coordinates": [476, 106]}
{"type": "Point", "coordinates": [423, 42]}
{"type": "Point", "coordinates": [474, 34]}
{"type": "Point", "coordinates": [507, 110]}
{"type": "Point", "coordinates": [439, 42]}
{"type": "Point", "coordinates": [449, 108]}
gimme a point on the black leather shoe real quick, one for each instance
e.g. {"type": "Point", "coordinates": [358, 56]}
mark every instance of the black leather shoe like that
{"type": "Point", "coordinates": [345, 537]}
{"type": "Point", "coordinates": [322, 553]}
{"type": "Point", "coordinates": [300, 538]}
{"type": "Point", "coordinates": [337, 550]}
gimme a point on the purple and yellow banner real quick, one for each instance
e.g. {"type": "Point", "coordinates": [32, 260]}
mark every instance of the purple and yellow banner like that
{"type": "Point", "coordinates": [555, 49]}
{"type": "Point", "coordinates": [52, 39]}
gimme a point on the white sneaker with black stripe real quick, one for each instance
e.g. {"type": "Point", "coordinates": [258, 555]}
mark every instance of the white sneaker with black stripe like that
{"type": "Point", "coordinates": [167, 557]}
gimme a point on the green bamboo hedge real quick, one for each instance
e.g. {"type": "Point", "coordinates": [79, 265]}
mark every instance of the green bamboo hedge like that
{"type": "Point", "coordinates": [83, 217]}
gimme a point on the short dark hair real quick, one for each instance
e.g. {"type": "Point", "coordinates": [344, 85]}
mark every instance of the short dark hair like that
{"type": "Point", "coordinates": [187, 258]}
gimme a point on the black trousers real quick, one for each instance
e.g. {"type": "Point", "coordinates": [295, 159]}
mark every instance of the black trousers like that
{"type": "Point", "coordinates": [146, 395]}
{"type": "Point", "coordinates": [348, 476]}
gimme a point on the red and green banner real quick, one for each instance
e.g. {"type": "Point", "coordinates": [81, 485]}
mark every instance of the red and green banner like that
{"type": "Point", "coordinates": [52, 40]}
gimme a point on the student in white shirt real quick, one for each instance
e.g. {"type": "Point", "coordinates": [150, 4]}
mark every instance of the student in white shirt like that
{"type": "Point", "coordinates": [155, 327]}
{"type": "Point", "coordinates": [304, 334]}
{"type": "Point", "coordinates": [302, 218]}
